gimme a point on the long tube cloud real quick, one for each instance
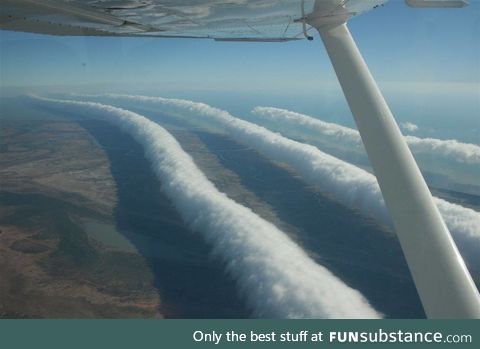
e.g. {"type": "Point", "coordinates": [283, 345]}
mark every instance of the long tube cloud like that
{"type": "Point", "coordinates": [276, 276]}
{"type": "Point", "coordinates": [450, 149]}
{"type": "Point", "coordinates": [349, 184]}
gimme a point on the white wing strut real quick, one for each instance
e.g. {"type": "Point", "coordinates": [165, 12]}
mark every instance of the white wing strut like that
{"type": "Point", "coordinates": [442, 280]}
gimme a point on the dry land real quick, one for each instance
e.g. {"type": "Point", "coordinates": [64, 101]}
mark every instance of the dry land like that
{"type": "Point", "coordinates": [55, 185]}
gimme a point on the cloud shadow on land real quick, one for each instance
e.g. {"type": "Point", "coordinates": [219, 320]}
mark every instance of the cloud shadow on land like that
{"type": "Point", "coordinates": [190, 282]}
{"type": "Point", "coordinates": [351, 246]}
{"type": "Point", "coordinates": [276, 277]}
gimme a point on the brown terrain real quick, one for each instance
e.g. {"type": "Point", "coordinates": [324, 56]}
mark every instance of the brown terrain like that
{"type": "Point", "coordinates": [61, 255]}
{"type": "Point", "coordinates": [55, 181]}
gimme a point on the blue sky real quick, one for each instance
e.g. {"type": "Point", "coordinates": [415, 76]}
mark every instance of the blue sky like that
{"type": "Point", "coordinates": [433, 52]}
{"type": "Point", "coordinates": [399, 44]}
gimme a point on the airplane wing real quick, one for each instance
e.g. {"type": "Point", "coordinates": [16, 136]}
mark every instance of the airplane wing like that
{"type": "Point", "coordinates": [236, 20]}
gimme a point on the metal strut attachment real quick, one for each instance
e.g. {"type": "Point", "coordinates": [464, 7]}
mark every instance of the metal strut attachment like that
{"type": "Point", "coordinates": [304, 22]}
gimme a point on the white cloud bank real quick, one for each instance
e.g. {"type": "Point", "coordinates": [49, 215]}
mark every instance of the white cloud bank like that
{"type": "Point", "coordinates": [451, 149]}
{"type": "Point", "coordinates": [349, 184]}
{"type": "Point", "coordinates": [409, 126]}
{"type": "Point", "coordinates": [275, 275]}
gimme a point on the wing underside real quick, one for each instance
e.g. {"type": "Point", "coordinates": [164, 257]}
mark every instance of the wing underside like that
{"type": "Point", "coordinates": [239, 20]}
